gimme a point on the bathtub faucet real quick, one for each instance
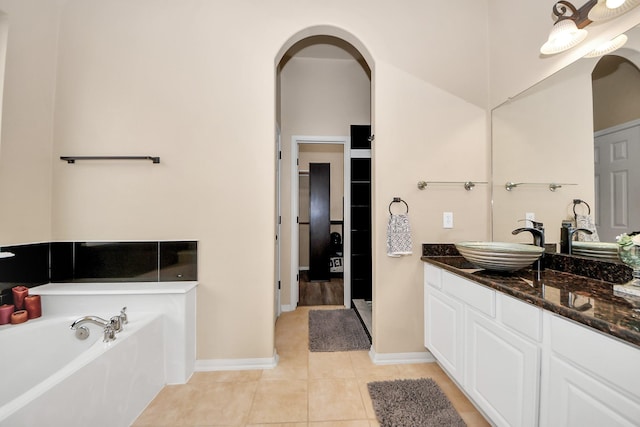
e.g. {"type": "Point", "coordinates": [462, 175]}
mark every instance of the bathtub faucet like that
{"type": "Point", "coordinates": [82, 332]}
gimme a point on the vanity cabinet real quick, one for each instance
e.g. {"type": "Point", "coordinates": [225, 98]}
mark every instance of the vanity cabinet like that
{"type": "Point", "coordinates": [524, 366]}
{"type": "Point", "coordinates": [480, 338]}
{"type": "Point", "coordinates": [588, 379]}
{"type": "Point", "coordinates": [443, 332]}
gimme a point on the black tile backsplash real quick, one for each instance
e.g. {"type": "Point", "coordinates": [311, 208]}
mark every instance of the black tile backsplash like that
{"type": "Point", "coordinates": [178, 261]}
{"type": "Point", "coordinates": [116, 261]}
{"type": "Point", "coordinates": [29, 267]}
{"type": "Point", "coordinates": [40, 263]}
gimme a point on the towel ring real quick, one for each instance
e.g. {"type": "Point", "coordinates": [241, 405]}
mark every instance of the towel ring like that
{"type": "Point", "coordinates": [577, 202]}
{"type": "Point", "coordinates": [398, 200]}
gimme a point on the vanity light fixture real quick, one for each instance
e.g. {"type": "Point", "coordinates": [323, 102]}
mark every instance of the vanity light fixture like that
{"type": "Point", "coordinates": [608, 47]}
{"type": "Point", "coordinates": [568, 30]}
{"type": "Point", "coordinates": [609, 9]}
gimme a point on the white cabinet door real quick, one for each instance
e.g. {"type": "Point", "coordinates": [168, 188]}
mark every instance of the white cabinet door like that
{"type": "Point", "coordinates": [575, 398]}
{"type": "Point", "coordinates": [588, 378]}
{"type": "Point", "coordinates": [443, 318]}
{"type": "Point", "coordinates": [501, 372]}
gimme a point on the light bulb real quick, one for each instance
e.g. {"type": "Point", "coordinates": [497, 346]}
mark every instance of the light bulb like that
{"type": "Point", "coordinates": [613, 4]}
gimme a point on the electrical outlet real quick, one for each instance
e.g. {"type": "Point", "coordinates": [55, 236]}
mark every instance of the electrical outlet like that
{"type": "Point", "coordinates": [529, 216]}
{"type": "Point", "coordinates": [447, 220]}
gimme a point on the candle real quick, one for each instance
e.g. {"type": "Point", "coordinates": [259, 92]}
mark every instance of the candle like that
{"type": "Point", "coordinates": [5, 313]}
{"type": "Point", "coordinates": [19, 292]}
{"type": "Point", "coordinates": [19, 316]}
{"type": "Point", "coordinates": [33, 306]}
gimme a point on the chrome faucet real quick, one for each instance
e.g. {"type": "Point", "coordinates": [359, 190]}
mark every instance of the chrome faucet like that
{"type": "Point", "coordinates": [110, 327]}
{"type": "Point", "coordinates": [90, 319]}
{"type": "Point", "coordinates": [571, 232]}
{"type": "Point", "coordinates": [537, 231]}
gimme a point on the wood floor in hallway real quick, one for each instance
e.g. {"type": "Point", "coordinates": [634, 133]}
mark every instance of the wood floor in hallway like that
{"type": "Point", "coordinates": [329, 292]}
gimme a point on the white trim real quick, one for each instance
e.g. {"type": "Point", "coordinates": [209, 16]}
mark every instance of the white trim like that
{"type": "Point", "coordinates": [617, 128]}
{"type": "Point", "coordinates": [208, 365]}
{"type": "Point", "coordinates": [346, 239]}
{"type": "Point", "coordinates": [400, 358]}
{"type": "Point", "coordinates": [358, 153]}
{"type": "Point", "coordinates": [287, 308]}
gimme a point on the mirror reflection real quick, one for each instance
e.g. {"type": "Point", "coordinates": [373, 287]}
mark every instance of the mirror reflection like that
{"type": "Point", "coordinates": [566, 152]}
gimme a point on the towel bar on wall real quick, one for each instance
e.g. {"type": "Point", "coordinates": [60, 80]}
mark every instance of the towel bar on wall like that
{"type": "Point", "coordinates": [552, 186]}
{"type": "Point", "coordinates": [72, 159]}
{"type": "Point", "coordinates": [468, 185]}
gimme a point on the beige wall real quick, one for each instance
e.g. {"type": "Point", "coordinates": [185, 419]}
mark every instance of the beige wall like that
{"type": "Point", "coordinates": [543, 137]}
{"type": "Point", "coordinates": [27, 120]}
{"type": "Point", "coordinates": [194, 83]}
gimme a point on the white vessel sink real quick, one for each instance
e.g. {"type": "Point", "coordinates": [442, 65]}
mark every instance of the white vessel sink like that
{"type": "Point", "coordinates": [499, 256]}
{"type": "Point", "coordinates": [602, 250]}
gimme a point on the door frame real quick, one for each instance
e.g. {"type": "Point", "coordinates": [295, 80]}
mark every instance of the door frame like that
{"type": "Point", "coordinates": [278, 242]}
{"type": "Point", "coordinates": [345, 141]}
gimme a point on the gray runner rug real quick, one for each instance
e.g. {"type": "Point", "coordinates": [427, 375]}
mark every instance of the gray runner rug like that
{"type": "Point", "coordinates": [336, 330]}
{"type": "Point", "coordinates": [412, 403]}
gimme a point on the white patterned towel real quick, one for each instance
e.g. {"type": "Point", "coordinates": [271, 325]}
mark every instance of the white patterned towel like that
{"type": "Point", "coordinates": [398, 235]}
{"type": "Point", "coordinates": [585, 221]}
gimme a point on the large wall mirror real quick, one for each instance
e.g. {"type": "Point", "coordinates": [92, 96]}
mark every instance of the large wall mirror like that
{"type": "Point", "coordinates": [555, 143]}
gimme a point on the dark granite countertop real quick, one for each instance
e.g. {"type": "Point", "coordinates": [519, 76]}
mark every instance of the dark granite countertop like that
{"type": "Point", "coordinates": [590, 301]}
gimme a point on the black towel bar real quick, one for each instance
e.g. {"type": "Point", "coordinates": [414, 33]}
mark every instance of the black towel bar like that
{"type": "Point", "coordinates": [72, 159]}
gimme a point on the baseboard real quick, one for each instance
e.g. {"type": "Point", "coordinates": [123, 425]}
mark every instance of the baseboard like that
{"type": "Point", "coordinates": [284, 308]}
{"type": "Point", "coordinates": [400, 358]}
{"type": "Point", "coordinates": [236, 364]}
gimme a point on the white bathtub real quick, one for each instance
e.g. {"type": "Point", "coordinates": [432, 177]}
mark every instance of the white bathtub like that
{"type": "Point", "coordinates": [50, 378]}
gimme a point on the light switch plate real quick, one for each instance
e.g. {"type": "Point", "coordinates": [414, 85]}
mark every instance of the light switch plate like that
{"type": "Point", "coordinates": [447, 220]}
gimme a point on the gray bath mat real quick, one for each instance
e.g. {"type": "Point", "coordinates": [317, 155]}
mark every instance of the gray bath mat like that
{"type": "Point", "coordinates": [412, 403]}
{"type": "Point", "coordinates": [336, 330]}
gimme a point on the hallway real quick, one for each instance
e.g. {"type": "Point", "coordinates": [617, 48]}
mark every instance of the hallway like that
{"type": "Point", "coordinates": [305, 389]}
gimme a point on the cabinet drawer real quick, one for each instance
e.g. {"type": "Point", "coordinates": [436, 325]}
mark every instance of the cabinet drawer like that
{"type": "Point", "coordinates": [520, 316]}
{"type": "Point", "coordinates": [475, 295]}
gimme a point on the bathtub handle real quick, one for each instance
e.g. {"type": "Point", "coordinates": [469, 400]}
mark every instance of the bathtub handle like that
{"type": "Point", "coordinates": [124, 319]}
{"type": "Point", "coordinates": [109, 334]}
{"type": "Point", "coordinates": [115, 324]}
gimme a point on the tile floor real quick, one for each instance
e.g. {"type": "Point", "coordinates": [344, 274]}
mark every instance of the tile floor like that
{"type": "Point", "coordinates": [305, 389]}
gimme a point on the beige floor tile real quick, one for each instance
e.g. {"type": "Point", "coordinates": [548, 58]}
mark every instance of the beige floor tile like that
{"type": "Point", "coordinates": [474, 419]}
{"type": "Point", "coordinates": [305, 389]}
{"type": "Point", "coordinates": [330, 365]}
{"type": "Point", "coordinates": [278, 401]}
{"type": "Point", "coordinates": [278, 425]}
{"type": "Point", "coordinates": [422, 370]}
{"type": "Point", "coordinates": [225, 376]}
{"type": "Point", "coordinates": [363, 367]}
{"type": "Point", "coordinates": [291, 366]}
{"type": "Point", "coordinates": [354, 423]}
{"type": "Point", "coordinates": [335, 399]}
{"type": "Point", "coordinates": [223, 403]}
{"type": "Point", "coordinates": [169, 407]}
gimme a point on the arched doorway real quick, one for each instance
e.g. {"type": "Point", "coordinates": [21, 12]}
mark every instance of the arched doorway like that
{"type": "Point", "coordinates": [616, 116]}
{"type": "Point", "coordinates": [321, 75]}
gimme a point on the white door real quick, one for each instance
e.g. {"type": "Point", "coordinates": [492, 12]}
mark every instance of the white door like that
{"type": "Point", "coordinates": [617, 180]}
